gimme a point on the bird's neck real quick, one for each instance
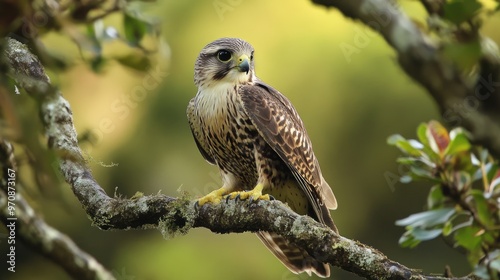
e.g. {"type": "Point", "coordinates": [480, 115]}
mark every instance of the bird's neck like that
{"type": "Point", "coordinates": [215, 98]}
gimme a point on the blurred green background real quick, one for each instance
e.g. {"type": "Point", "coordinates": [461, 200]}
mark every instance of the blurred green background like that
{"type": "Point", "coordinates": [349, 102]}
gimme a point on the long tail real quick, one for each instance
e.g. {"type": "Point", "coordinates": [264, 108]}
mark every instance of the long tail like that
{"type": "Point", "coordinates": [294, 258]}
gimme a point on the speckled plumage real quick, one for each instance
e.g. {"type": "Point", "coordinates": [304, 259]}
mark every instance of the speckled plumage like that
{"type": "Point", "coordinates": [256, 138]}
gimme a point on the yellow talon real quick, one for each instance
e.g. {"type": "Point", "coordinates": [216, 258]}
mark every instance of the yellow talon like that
{"type": "Point", "coordinates": [213, 197]}
{"type": "Point", "coordinates": [255, 194]}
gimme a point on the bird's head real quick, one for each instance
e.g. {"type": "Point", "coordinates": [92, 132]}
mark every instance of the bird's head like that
{"type": "Point", "coordinates": [227, 60]}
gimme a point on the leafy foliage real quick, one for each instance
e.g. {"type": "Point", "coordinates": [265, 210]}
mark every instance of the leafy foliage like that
{"type": "Point", "coordinates": [87, 25]}
{"type": "Point", "coordinates": [457, 24]}
{"type": "Point", "coordinates": [463, 203]}
{"type": "Point", "coordinates": [84, 23]}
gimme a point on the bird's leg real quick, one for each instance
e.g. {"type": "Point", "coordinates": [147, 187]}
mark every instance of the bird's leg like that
{"type": "Point", "coordinates": [213, 197]}
{"type": "Point", "coordinates": [254, 194]}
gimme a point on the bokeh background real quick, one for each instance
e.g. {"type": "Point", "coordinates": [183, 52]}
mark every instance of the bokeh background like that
{"type": "Point", "coordinates": [344, 81]}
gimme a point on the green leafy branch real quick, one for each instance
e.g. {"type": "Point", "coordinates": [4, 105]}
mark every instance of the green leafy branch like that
{"type": "Point", "coordinates": [86, 24]}
{"type": "Point", "coordinates": [463, 204]}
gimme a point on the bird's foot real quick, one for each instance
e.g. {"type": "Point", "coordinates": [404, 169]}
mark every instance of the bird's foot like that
{"type": "Point", "coordinates": [214, 197]}
{"type": "Point", "coordinates": [253, 195]}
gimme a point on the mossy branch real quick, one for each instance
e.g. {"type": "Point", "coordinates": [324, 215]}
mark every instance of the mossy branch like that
{"type": "Point", "coordinates": [174, 216]}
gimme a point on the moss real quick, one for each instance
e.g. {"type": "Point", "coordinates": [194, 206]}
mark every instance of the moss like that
{"type": "Point", "coordinates": [178, 220]}
{"type": "Point", "coordinates": [137, 195]}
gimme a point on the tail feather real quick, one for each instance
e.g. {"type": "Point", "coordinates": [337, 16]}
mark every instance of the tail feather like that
{"type": "Point", "coordinates": [294, 258]}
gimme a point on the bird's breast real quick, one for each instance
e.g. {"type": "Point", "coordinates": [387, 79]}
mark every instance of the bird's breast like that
{"type": "Point", "coordinates": [228, 131]}
{"type": "Point", "coordinates": [217, 107]}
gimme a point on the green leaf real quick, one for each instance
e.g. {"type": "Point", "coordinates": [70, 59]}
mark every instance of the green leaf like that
{"type": "Point", "coordinates": [394, 139]}
{"type": "Point", "coordinates": [409, 147]}
{"type": "Point", "coordinates": [135, 61]}
{"type": "Point", "coordinates": [482, 209]}
{"type": "Point", "coordinates": [458, 11]}
{"type": "Point", "coordinates": [428, 218]}
{"type": "Point", "coordinates": [413, 237]}
{"type": "Point", "coordinates": [415, 144]}
{"type": "Point", "coordinates": [457, 145]}
{"type": "Point", "coordinates": [448, 228]}
{"type": "Point", "coordinates": [473, 239]}
{"type": "Point", "coordinates": [421, 173]}
{"type": "Point", "coordinates": [421, 133]}
{"type": "Point", "coordinates": [415, 161]}
{"type": "Point", "coordinates": [135, 28]}
{"type": "Point", "coordinates": [435, 197]}
{"type": "Point", "coordinates": [406, 147]}
{"type": "Point", "coordinates": [407, 160]}
{"type": "Point", "coordinates": [407, 240]}
{"type": "Point", "coordinates": [468, 238]}
{"type": "Point", "coordinates": [423, 235]}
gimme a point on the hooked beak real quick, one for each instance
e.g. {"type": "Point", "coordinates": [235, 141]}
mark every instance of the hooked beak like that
{"type": "Point", "coordinates": [243, 63]}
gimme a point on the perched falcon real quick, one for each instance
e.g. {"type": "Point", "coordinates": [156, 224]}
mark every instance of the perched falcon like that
{"type": "Point", "coordinates": [256, 138]}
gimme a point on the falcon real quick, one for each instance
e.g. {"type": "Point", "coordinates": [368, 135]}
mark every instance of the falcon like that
{"type": "Point", "coordinates": [254, 135]}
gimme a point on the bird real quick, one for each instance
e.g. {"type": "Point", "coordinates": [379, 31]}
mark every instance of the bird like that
{"type": "Point", "coordinates": [256, 138]}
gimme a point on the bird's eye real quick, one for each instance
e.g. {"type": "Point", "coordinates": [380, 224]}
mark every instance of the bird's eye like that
{"type": "Point", "coordinates": [224, 56]}
{"type": "Point", "coordinates": [251, 56]}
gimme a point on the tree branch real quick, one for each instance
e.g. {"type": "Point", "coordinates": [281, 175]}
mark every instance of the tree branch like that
{"type": "Point", "coordinates": [24, 224]}
{"type": "Point", "coordinates": [173, 216]}
{"type": "Point", "coordinates": [473, 107]}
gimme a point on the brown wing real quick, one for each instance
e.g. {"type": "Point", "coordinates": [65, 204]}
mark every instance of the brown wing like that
{"type": "Point", "coordinates": [279, 124]}
{"type": "Point", "coordinates": [195, 126]}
